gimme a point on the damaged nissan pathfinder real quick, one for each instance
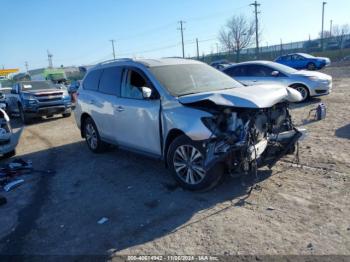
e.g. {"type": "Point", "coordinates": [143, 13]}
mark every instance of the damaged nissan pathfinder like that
{"type": "Point", "coordinates": [201, 122]}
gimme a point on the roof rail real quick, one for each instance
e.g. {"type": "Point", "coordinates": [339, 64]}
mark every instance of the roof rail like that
{"type": "Point", "coordinates": [115, 60]}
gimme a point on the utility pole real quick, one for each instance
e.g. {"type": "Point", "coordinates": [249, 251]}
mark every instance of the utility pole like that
{"type": "Point", "coordinates": [49, 56]}
{"type": "Point", "coordinates": [197, 49]}
{"type": "Point", "coordinates": [323, 4]}
{"type": "Point", "coordinates": [182, 37]}
{"type": "Point", "coordinates": [26, 65]}
{"type": "Point", "coordinates": [281, 46]}
{"type": "Point", "coordinates": [112, 41]}
{"type": "Point", "coordinates": [217, 48]}
{"type": "Point", "coordinates": [256, 5]}
{"type": "Point", "coordinates": [330, 28]}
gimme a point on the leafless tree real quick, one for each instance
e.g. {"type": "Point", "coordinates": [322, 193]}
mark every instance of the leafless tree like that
{"type": "Point", "coordinates": [339, 33]}
{"type": "Point", "coordinates": [237, 34]}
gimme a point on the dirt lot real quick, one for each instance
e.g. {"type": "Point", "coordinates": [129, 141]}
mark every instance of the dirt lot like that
{"type": "Point", "coordinates": [296, 210]}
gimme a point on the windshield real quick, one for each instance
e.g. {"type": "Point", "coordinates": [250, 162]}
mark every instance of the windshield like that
{"type": "Point", "coordinates": [306, 55]}
{"type": "Point", "coordinates": [188, 79]}
{"type": "Point", "coordinates": [284, 69]}
{"type": "Point", "coordinates": [37, 85]}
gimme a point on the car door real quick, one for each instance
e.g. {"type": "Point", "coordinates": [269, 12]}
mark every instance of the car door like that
{"type": "Point", "coordinates": [299, 62]}
{"type": "Point", "coordinates": [136, 119]}
{"type": "Point", "coordinates": [106, 98]}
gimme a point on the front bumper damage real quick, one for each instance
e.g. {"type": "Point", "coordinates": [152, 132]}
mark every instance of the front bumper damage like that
{"type": "Point", "coordinates": [242, 157]}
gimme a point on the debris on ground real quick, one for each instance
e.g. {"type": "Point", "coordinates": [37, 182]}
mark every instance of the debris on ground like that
{"type": "Point", "coordinates": [310, 246]}
{"type": "Point", "coordinates": [270, 208]}
{"type": "Point", "coordinates": [102, 220]}
{"type": "Point", "coordinates": [13, 184]}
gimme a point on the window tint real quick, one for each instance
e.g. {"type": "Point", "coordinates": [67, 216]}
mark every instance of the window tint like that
{"type": "Point", "coordinates": [259, 70]}
{"type": "Point", "coordinates": [110, 81]}
{"type": "Point", "coordinates": [286, 58]}
{"type": "Point", "coordinates": [298, 57]}
{"type": "Point", "coordinates": [92, 79]}
{"type": "Point", "coordinates": [236, 71]}
{"type": "Point", "coordinates": [133, 84]}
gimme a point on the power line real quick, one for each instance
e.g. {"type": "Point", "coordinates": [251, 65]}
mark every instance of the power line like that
{"type": "Point", "coordinates": [256, 5]}
{"type": "Point", "coordinates": [112, 41]}
{"type": "Point", "coordinates": [182, 37]}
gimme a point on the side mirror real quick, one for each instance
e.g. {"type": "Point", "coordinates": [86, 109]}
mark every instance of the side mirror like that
{"type": "Point", "coordinates": [275, 73]}
{"type": "Point", "coordinates": [146, 92]}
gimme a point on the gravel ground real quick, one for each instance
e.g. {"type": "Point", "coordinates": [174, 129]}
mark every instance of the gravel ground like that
{"type": "Point", "coordinates": [295, 210]}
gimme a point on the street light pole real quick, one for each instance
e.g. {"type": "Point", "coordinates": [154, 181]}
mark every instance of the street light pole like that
{"type": "Point", "coordinates": [322, 36]}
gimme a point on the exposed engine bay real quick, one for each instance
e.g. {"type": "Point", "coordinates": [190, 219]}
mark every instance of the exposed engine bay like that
{"type": "Point", "coordinates": [247, 138]}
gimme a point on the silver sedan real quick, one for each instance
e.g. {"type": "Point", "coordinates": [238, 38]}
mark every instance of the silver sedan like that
{"type": "Point", "coordinates": [308, 83]}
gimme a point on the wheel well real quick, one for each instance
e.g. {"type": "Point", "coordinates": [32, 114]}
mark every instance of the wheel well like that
{"type": "Point", "coordinates": [83, 117]}
{"type": "Point", "coordinates": [172, 134]}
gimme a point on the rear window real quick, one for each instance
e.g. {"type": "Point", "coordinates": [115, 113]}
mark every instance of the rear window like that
{"type": "Point", "coordinates": [91, 81]}
{"type": "Point", "coordinates": [110, 81]}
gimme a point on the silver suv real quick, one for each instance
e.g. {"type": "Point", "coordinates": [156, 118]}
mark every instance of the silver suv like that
{"type": "Point", "coordinates": [201, 122]}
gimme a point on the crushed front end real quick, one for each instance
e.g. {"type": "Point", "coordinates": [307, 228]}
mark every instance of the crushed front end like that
{"type": "Point", "coordinates": [246, 138]}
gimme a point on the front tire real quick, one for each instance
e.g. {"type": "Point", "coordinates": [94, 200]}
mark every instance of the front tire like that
{"type": "Point", "coordinates": [92, 137]}
{"type": "Point", "coordinates": [67, 114]}
{"type": "Point", "coordinates": [303, 91]}
{"type": "Point", "coordinates": [10, 154]}
{"type": "Point", "coordinates": [311, 66]}
{"type": "Point", "coordinates": [186, 161]}
{"type": "Point", "coordinates": [25, 119]}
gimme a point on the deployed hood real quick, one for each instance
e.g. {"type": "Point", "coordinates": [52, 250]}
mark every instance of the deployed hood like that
{"type": "Point", "coordinates": [312, 73]}
{"type": "Point", "coordinates": [261, 96]}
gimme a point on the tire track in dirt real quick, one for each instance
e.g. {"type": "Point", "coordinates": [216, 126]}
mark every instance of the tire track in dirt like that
{"type": "Point", "coordinates": [15, 241]}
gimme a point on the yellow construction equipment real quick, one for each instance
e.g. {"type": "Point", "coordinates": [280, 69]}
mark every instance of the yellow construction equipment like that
{"type": "Point", "coordinates": [5, 72]}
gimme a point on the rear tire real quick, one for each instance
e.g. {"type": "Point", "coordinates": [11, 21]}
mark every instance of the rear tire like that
{"type": "Point", "coordinates": [186, 158]}
{"type": "Point", "coordinates": [92, 137]}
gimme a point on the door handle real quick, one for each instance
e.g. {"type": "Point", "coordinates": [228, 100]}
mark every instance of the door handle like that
{"type": "Point", "coordinates": [120, 108]}
{"type": "Point", "coordinates": [91, 102]}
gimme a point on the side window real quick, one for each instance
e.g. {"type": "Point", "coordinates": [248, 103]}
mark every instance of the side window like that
{"type": "Point", "coordinates": [259, 71]}
{"type": "Point", "coordinates": [111, 80]}
{"type": "Point", "coordinates": [236, 71]}
{"type": "Point", "coordinates": [133, 82]}
{"type": "Point", "coordinates": [92, 79]}
{"type": "Point", "coordinates": [286, 58]}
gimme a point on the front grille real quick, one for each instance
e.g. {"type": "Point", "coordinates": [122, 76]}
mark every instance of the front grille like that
{"type": "Point", "coordinates": [50, 99]}
{"type": "Point", "coordinates": [49, 94]}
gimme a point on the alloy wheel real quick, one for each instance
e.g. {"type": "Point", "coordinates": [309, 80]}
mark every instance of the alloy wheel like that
{"type": "Point", "coordinates": [91, 136]}
{"type": "Point", "coordinates": [188, 164]}
{"type": "Point", "coordinates": [302, 90]}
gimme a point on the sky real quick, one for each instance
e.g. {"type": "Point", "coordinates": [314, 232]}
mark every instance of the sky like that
{"type": "Point", "coordinates": [77, 32]}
